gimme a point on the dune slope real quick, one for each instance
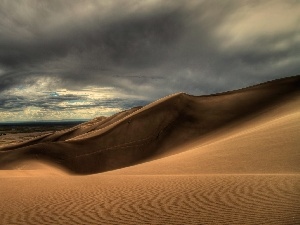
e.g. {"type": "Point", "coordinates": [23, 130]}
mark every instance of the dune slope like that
{"type": "Point", "coordinates": [153, 131]}
{"type": "Point", "coordinates": [84, 128]}
{"type": "Point", "coordinates": [267, 144]}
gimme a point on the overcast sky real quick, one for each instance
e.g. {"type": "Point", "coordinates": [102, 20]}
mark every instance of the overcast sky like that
{"type": "Point", "coordinates": [82, 59]}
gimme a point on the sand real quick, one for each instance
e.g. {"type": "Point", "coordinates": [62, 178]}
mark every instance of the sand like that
{"type": "Point", "coordinates": [179, 160]}
{"type": "Point", "coordinates": [14, 138]}
{"type": "Point", "coordinates": [201, 199]}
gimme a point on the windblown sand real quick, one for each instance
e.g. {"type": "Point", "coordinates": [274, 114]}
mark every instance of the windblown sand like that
{"type": "Point", "coordinates": [246, 172]}
{"type": "Point", "coordinates": [157, 199]}
{"type": "Point", "coordinates": [14, 138]}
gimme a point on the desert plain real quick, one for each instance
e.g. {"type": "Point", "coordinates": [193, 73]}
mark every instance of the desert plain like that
{"type": "Point", "coordinates": [227, 158]}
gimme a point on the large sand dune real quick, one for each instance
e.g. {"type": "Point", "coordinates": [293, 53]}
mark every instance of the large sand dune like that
{"type": "Point", "coordinates": [230, 158]}
{"type": "Point", "coordinates": [152, 131]}
{"type": "Point", "coordinates": [269, 143]}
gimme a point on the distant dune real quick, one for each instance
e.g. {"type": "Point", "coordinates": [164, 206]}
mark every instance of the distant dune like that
{"type": "Point", "coordinates": [162, 127]}
{"type": "Point", "coordinates": [229, 158]}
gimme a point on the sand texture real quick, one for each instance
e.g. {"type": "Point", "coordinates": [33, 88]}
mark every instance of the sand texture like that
{"type": "Point", "coordinates": [225, 199]}
{"type": "Point", "coordinates": [229, 158]}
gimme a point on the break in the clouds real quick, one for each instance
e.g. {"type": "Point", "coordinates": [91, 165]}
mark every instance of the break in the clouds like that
{"type": "Point", "coordinates": [81, 59]}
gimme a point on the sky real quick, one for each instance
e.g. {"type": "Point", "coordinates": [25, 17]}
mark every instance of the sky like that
{"type": "Point", "coordinates": [76, 59]}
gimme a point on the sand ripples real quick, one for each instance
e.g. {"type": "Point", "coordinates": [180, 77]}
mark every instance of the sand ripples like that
{"type": "Point", "coordinates": [214, 199]}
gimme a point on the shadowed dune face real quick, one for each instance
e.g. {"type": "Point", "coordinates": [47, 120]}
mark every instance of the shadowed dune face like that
{"type": "Point", "coordinates": [268, 144]}
{"type": "Point", "coordinates": [152, 131]}
{"type": "Point", "coordinates": [83, 129]}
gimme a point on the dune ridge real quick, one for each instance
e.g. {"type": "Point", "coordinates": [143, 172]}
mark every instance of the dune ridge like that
{"type": "Point", "coordinates": [268, 144]}
{"type": "Point", "coordinates": [134, 135]}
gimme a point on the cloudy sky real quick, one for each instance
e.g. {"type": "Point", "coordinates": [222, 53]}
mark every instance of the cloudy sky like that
{"type": "Point", "coordinates": [72, 59]}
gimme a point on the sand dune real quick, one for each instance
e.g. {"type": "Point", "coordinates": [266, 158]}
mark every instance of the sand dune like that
{"type": "Point", "coordinates": [152, 131]}
{"type": "Point", "coordinates": [78, 130]}
{"type": "Point", "coordinates": [230, 158]}
{"type": "Point", "coordinates": [261, 146]}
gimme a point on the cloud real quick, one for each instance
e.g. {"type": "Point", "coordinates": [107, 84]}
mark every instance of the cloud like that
{"type": "Point", "coordinates": [42, 101]}
{"type": "Point", "coordinates": [140, 50]}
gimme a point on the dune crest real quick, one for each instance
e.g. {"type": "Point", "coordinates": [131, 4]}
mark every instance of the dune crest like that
{"type": "Point", "coordinates": [153, 131]}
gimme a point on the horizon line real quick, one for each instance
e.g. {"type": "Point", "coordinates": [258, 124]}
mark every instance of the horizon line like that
{"type": "Point", "coordinates": [44, 121]}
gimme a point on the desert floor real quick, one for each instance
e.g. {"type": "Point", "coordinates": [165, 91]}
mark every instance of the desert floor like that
{"type": "Point", "coordinates": [151, 199]}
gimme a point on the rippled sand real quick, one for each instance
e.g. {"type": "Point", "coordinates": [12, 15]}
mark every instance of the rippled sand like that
{"type": "Point", "coordinates": [100, 199]}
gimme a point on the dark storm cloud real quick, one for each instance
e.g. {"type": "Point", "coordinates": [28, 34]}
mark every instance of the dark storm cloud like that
{"type": "Point", "coordinates": [146, 48]}
{"type": "Point", "coordinates": [130, 41]}
{"type": "Point", "coordinates": [89, 46]}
